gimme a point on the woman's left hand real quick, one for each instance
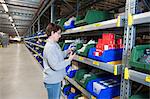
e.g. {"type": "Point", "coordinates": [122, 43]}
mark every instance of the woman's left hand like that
{"type": "Point", "coordinates": [70, 50]}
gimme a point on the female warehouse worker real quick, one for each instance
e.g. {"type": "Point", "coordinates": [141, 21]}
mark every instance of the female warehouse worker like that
{"type": "Point", "coordinates": [54, 62]}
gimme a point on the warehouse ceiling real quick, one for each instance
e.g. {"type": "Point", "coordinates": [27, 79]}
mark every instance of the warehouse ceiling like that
{"type": "Point", "coordinates": [22, 13]}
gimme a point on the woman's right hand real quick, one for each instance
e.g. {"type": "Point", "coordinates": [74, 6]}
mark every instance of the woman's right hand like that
{"type": "Point", "coordinates": [71, 56]}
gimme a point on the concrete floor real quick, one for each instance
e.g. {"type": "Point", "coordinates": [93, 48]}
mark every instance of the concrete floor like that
{"type": "Point", "coordinates": [20, 74]}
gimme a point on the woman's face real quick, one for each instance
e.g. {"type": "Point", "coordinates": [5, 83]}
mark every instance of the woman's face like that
{"type": "Point", "coordinates": [56, 35]}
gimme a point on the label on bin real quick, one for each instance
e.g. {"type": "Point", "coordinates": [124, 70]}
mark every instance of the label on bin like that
{"type": "Point", "coordinates": [81, 58]}
{"type": "Point", "coordinates": [147, 79]}
{"type": "Point", "coordinates": [98, 24]}
{"type": "Point", "coordinates": [96, 63]}
{"type": "Point", "coordinates": [92, 97]}
{"type": "Point", "coordinates": [115, 70]}
{"type": "Point", "coordinates": [81, 28]}
{"type": "Point", "coordinates": [118, 21]}
{"type": "Point", "coordinates": [73, 90]}
{"type": "Point", "coordinates": [97, 87]}
{"type": "Point", "coordinates": [80, 88]}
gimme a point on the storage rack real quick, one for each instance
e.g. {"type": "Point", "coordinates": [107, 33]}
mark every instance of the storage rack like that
{"type": "Point", "coordinates": [127, 74]}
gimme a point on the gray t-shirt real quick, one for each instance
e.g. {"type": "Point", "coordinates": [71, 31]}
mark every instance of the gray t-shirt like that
{"type": "Point", "coordinates": [54, 56]}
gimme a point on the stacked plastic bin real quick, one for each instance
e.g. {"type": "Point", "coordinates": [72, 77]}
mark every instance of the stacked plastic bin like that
{"type": "Point", "coordinates": [70, 91]}
{"type": "Point", "coordinates": [70, 71]}
{"type": "Point", "coordinates": [140, 57]}
{"type": "Point", "coordinates": [107, 49]}
{"type": "Point", "coordinates": [105, 87]}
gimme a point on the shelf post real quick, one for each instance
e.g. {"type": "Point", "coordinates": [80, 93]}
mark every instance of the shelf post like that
{"type": "Point", "coordinates": [53, 12]}
{"type": "Point", "coordinates": [39, 24]}
{"type": "Point", "coordinates": [129, 41]}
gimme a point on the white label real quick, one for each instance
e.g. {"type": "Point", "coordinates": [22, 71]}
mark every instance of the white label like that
{"type": "Point", "coordinates": [105, 47]}
{"type": "Point", "coordinates": [97, 87]}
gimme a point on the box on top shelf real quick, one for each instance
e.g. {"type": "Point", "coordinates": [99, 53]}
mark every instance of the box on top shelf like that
{"type": "Point", "coordinates": [93, 16]}
{"type": "Point", "coordinates": [70, 23]}
{"type": "Point", "coordinates": [61, 22]}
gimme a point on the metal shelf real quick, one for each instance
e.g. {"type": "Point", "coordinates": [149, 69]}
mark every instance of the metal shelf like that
{"type": "Point", "coordinates": [141, 18]}
{"type": "Point", "coordinates": [34, 51]}
{"type": "Point", "coordinates": [118, 22]}
{"type": "Point", "coordinates": [34, 44]}
{"type": "Point", "coordinates": [65, 97]}
{"type": "Point", "coordinates": [115, 69]}
{"type": "Point", "coordinates": [139, 77]}
{"type": "Point", "coordinates": [85, 92]}
{"type": "Point", "coordinates": [35, 37]}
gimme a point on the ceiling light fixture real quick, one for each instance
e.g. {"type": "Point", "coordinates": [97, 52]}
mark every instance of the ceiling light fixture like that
{"type": "Point", "coordinates": [13, 24]}
{"type": "Point", "coordinates": [15, 28]}
{"type": "Point", "coordinates": [2, 1]}
{"type": "Point", "coordinates": [10, 18]}
{"type": "Point", "coordinates": [5, 7]}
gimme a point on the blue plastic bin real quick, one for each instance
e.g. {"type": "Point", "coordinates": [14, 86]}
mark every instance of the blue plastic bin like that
{"type": "Point", "coordinates": [108, 92]}
{"type": "Point", "coordinates": [66, 89]}
{"type": "Point", "coordinates": [72, 73]}
{"type": "Point", "coordinates": [107, 56]}
{"type": "Point", "coordinates": [71, 25]}
{"type": "Point", "coordinates": [72, 95]}
{"type": "Point", "coordinates": [66, 46]}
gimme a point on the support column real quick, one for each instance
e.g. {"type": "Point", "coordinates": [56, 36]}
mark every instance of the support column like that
{"type": "Point", "coordinates": [129, 41]}
{"type": "Point", "coordinates": [39, 25]}
{"type": "Point", "coordinates": [53, 12]}
{"type": "Point", "coordinates": [33, 29]}
{"type": "Point", "coordinates": [78, 6]}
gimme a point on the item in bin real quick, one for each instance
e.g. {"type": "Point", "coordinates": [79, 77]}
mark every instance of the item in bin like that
{"type": "Point", "coordinates": [97, 87]}
{"type": "Point", "coordinates": [85, 77]}
{"type": "Point", "coordinates": [84, 45]}
{"type": "Point", "coordinates": [146, 57]}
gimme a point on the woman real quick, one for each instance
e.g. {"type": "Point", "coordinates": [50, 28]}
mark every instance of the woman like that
{"type": "Point", "coordinates": [54, 62]}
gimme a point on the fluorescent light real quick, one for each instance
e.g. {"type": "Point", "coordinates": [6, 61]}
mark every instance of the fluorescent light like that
{"type": "Point", "coordinates": [2, 1]}
{"type": "Point", "coordinates": [13, 24]}
{"type": "Point", "coordinates": [15, 28]}
{"type": "Point", "coordinates": [5, 7]}
{"type": "Point", "coordinates": [10, 18]}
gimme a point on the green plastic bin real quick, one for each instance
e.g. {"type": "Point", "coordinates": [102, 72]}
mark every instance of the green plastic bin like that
{"type": "Point", "coordinates": [86, 51]}
{"type": "Point", "coordinates": [79, 77]}
{"type": "Point", "coordinates": [80, 74]}
{"type": "Point", "coordinates": [61, 23]}
{"type": "Point", "coordinates": [93, 16]}
{"type": "Point", "coordinates": [137, 52]}
{"type": "Point", "coordinates": [140, 96]}
{"type": "Point", "coordinates": [61, 44]}
{"type": "Point", "coordinates": [79, 45]}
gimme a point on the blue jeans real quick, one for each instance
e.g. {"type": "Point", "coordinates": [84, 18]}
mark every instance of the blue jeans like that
{"type": "Point", "coordinates": [53, 90]}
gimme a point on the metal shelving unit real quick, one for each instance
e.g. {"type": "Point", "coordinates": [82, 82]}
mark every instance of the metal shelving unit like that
{"type": "Point", "coordinates": [139, 77]}
{"type": "Point", "coordinates": [34, 44]}
{"type": "Point", "coordinates": [86, 93]}
{"type": "Point", "coordinates": [35, 37]}
{"type": "Point", "coordinates": [118, 22]}
{"type": "Point", "coordinates": [127, 74]}
{"type": "Point", "coordinates": [34, 51]}
{"type": "Point", "coordinates": [115, 69]}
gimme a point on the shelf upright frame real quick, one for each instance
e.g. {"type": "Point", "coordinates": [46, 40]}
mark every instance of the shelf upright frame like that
{"type": "Point", "coordinates": [129, 42]}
